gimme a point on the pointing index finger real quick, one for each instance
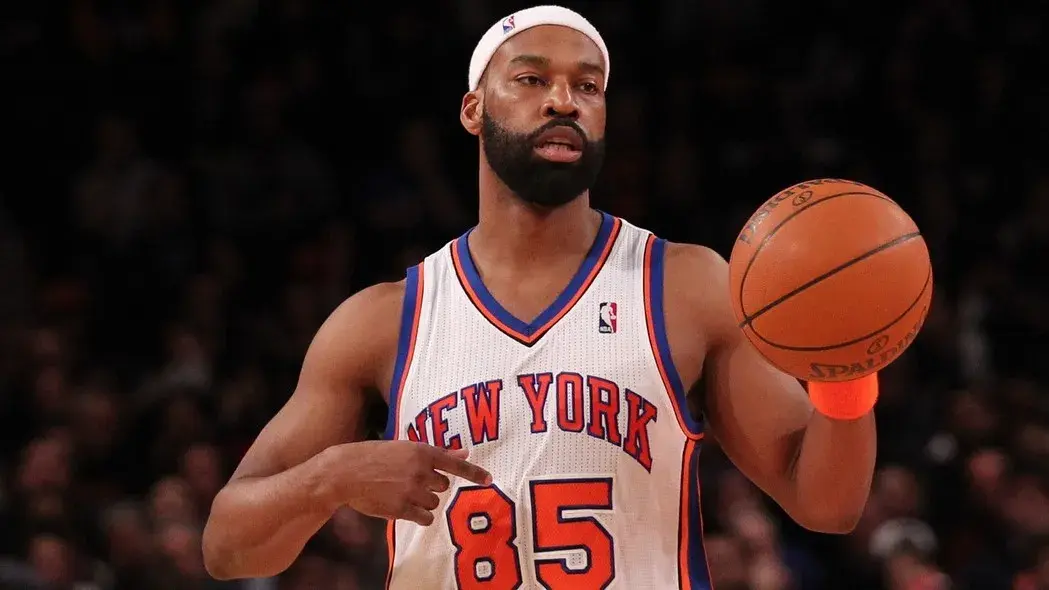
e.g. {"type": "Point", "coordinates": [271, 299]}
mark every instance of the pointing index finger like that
{"type": "Point", "coordinates": [455, 465]}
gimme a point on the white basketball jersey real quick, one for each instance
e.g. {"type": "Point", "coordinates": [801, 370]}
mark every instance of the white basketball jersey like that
{"type": "Point", "coordinates": [579, 415]}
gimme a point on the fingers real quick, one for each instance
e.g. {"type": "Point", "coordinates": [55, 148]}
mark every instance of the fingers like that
{"type": "Point", "coordinates": [418, 515]}
{"type": "Point", "coordinates": [462, 453]}
{"type": "Point", "coordinates": [437, 482]}
{"type": "Point", "coordinates": [425, 500]}
{"type": "Point", "coordinates": [422, 501]}
{"type": "Point", "coordinates": [454, 463]}
{"type": "Point", "coordinates": [420, 506]}
{"type": "Point", "coordinates": [417, 506]}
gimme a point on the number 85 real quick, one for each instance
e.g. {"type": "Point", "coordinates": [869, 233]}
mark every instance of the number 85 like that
{"type": "Point", "coordinates": [482, 522]}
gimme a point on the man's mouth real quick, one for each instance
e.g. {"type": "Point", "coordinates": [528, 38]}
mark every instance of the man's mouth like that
{"type": "Point", "coordinates": [560, 144]}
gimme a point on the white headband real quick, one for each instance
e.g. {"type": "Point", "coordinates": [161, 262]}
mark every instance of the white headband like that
{"type": "Point", "coordinates": [522, 21]}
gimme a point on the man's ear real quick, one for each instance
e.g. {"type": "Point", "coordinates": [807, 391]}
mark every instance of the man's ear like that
{"type": "Point", "coordinates": [470, 112]}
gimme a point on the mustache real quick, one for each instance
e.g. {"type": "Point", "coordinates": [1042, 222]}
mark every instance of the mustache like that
{"type": "Point", "coordinates": [560, 122]}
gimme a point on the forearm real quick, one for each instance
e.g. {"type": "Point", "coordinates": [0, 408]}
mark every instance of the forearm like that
{"type": "Point", "coordinates": [832, 472]}
{"type": "Point", "coordinates": [258, 526]}
{"type": "Point", "coordinates": [834, 464]}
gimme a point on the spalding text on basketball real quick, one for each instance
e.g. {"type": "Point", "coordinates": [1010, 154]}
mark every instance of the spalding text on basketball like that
{"type": "Point", "coordinates": [878, 344]}
{"type": "Point", "coordinates": [755, 220]}
{"type": "Point", "coordinates": [801, 194]}
{"type": "Point", "coordinates": [880, 355]}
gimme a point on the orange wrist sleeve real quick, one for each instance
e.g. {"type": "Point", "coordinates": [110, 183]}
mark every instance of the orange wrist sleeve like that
{"type": "Point", "coordinates": [845, 400]}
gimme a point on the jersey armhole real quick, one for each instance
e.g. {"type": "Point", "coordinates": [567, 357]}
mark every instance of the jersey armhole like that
{"type": "Point", "coordinates": [411, 309]}
{"type": "Point", "coordinates": [655, 320]}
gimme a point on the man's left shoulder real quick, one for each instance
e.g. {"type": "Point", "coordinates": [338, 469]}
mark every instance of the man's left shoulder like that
{"type": "Point", "coordinates": [692, 261]}
{"type": "Point", "coordinates": [696, 285]}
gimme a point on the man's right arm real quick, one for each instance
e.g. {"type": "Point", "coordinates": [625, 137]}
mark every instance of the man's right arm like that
{"type": "Point", "coordinates": [305, 464]}
{"type": "Point", "coordinates": [281, 493]}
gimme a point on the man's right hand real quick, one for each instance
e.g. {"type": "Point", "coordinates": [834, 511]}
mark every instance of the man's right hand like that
{"type": "Point", "coordinates": [397, 479]}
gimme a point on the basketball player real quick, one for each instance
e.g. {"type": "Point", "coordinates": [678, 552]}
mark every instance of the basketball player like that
{"type": "Point", "coordinates": [561, 350]}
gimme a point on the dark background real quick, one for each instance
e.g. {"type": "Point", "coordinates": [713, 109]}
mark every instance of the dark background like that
{"type": "Point", "coordinates": [193, 185]}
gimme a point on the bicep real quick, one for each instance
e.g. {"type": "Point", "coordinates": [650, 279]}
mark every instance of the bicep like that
{"type": "Point", "coordinates": [312, 420]}
{"type": "Point", "coordinates": [327, 407]}
{"type": "Point", "coordinates": [756, 412]}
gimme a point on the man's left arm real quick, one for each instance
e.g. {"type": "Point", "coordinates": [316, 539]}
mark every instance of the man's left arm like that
{"type": "Point", "coordinates": [817, 468]}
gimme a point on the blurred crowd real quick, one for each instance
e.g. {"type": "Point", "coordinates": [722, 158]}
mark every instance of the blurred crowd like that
{"type": "Point", "coordinates": [193, 185]}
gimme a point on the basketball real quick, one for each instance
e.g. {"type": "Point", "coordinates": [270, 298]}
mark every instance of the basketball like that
{"type": "Point", "coordinates": [830, 280]}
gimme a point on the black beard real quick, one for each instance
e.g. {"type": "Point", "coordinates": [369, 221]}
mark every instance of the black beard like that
{"type": "Point", "coordinates": [533, 179]}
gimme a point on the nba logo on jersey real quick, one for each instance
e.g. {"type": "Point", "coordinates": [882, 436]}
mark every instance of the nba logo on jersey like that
{"type": "Point", "coordinates": [606, 318]}
{"type": "Point", "coordinates": [508, 24]}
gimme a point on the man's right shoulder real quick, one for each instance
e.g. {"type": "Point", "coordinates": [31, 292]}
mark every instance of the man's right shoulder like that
{"type": "Point", "coordinates": [358, 341]}
{"type": "Point", "coordinates": [380, 297]}
{"type": "Point", "coordinates": [377, 307]}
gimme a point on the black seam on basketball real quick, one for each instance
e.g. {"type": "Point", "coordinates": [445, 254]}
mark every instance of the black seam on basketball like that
{"type": "Point", "coordinates": [925, 287]}
{"type": "Point", "coordinates": [886, 246]}
{"type": "Point", "coordinates": [743, 280]}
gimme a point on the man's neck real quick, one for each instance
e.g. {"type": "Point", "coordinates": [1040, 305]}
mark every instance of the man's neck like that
{"type": "Point", "coordinates": [512, 233]}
